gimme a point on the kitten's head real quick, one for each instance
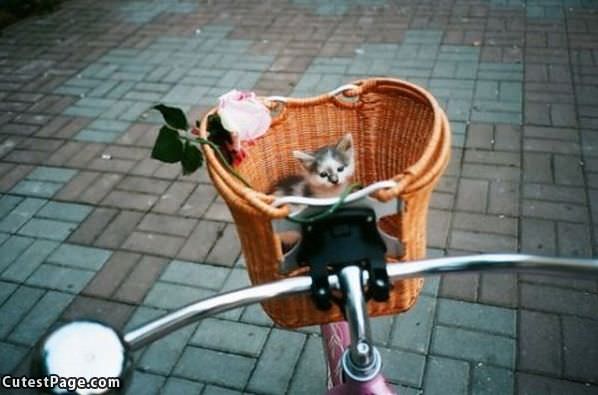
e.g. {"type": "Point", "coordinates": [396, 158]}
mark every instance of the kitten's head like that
{"type": "Point", "coordinates": [329, 166]}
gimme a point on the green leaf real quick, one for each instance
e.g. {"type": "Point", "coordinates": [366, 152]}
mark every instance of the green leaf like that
{"type": "Point", "coordinates": [192, 158]}
{"type": "Point", "coordinates": [168, 147]}
{"type": "Point", "coordinates": [173, 116]}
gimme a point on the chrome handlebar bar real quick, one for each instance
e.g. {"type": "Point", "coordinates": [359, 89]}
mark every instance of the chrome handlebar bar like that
{"type": "Point", "coordinates": [92, 348]}
{"type": "Point", "coordinates": [474, 263]}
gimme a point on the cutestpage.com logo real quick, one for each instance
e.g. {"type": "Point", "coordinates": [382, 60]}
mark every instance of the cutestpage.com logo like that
{"type": "Point", "coordinates": [83, 385]}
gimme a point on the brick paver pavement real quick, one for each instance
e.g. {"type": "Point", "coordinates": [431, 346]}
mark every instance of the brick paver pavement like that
{"type": "Point", "coordinates": [90, 226]}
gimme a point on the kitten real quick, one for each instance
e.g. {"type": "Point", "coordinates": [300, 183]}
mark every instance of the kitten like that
{"type": "Point", "coordinates": [327, 172]}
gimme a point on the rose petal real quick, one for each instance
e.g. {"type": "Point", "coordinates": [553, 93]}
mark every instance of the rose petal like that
{"type": "Point", "coordinates": [250, 118]}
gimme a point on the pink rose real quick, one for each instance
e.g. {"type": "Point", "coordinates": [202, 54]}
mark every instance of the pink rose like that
{"type": "Point", "coordinates": [242, 114]}
{"type": "Point", "coordinates": [245, 117]}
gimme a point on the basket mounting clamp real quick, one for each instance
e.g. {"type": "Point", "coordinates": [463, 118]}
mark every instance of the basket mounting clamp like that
{"type": "Point", "coordinates": [347, 237]}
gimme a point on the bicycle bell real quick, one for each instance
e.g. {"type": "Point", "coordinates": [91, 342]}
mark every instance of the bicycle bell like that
{"type": "Point", "coordinates": [83, 349]}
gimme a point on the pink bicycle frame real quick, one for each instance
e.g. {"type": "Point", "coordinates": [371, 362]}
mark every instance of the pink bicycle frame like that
{"type": "Point", "coordinates": [336, 339]}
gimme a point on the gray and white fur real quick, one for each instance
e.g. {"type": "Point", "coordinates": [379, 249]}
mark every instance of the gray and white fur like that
{"type": "Point", "coordinates": [327, 171]}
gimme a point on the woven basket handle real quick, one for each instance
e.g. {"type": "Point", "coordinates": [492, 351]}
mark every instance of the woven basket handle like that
{"type": "Point", "coordinates": [347, 90]}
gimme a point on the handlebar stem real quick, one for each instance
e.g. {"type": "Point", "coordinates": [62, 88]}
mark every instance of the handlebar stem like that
{"type": "Point", "coordinates": [361, 361]}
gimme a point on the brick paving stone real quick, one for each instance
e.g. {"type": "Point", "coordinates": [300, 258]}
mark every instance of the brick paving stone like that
{"type": "Point", "coordinates": [170, 296]}
{"type": "Point", "coordinates": [229, 336]}
{"type": "Point", "coordinates": [200, 242]}
{"type": "Point", "coordinates": [129, 200]}
{"type": "Point", "coordinates": [17, 307]}
{"type": "Point", "coordinates": [438, 228]}
{"type": "Point", "coordinates": [161, 357]}
{"type": "Point", "coordinates": [253, 314]}
{"type": "Point", "coordinates": [139, 281]}
{"type": "Point", "coordinates": [77, 185]}
{"type": "Point", "coordinates": [557, 193]}
{"type": "Point", "coordinates": [473, 346]}
{"type": "Point", "coordinates": [485, 223]}
{"type": "Point", "coordinates": [60, 278]}
{"type": "Point", "coordinates": [153, 243]}
{"type": "Point", "coordinates": [528, 384]}
{"type": "Point", "coordinates": [112, 274]}
{"type": "Point", "coordinates": [538, 236]}
{"type": "Point", "coordinates": [6, 290]}
{"type": "Point", "coordinates": [100, 187]}
{"type": "Point", "coordinates": [40, 318]}
{"type": "Point", "coordinates": [492, 157]}
{"type": "Point", "coordinates": [412, 330]}
{"type": "Point", "coordinates": [29, 260]}
{"type": "Point", "coordinates": [567, 170]}
{"type": "Point", "coordinates": [441, 201]}
{"type": "Point", "coordinates": [472, 195]}
{"type": "Point", "coordinates": [12, 249]}
{"type": "Point", "coordinates": [403, 367]}
{"type": "Point", "coordinates": [482, 242]}
{"type": "Point", "coordinates": [574, 240]}
{"type": "Point", "coordinates": [51, 174]}
{"type": "Point", "coordinates": [274, 369]}
{"type": "Point", "coordinates": [194, 274]}
{"type": "Point", "coordinates": [445, 376]}
{"type": "Point", "coordinates": [575, 283]}
{"type": "Point", "coordinates": [548, 145]}
{"type": "Point", "coordinates": [86, 154]}
{"type": "Point", "coordinates": [172, 200]}
{"type": "Point", "coordinates": [110, 312]}
{"type": "Point", "coordinates": [174, 226]}
{"type": "Point", "coordinates": [215, 390]}
{"type": "Point", "coordinates": [537, 168]}
{"type": "Point", "coordinates": [92, 226]}
{"type": "Point", "coordinates": [45, 228]}
{"type": "Point", "coordinates": [64, 211]}
{"type": "Point", "coordinates": [557, 300]}
{"type": "Point", "coordinates": [145, 383]}
{"type": "Point", "coordinates": [12, 355]}
{"type": "Point", "coordinates": [43, 189]}
{"type": "Point", "coordinates": [143, 185]}
{"type": "Point", "coordinates": [218, 211]}
{"type": "Point", "coordinates": [119, 229]}
{"type": "Point", "coordinates": [476, 317]}
{"type": "Point", "coordinates": [227, 248]}
{"type": "Point", "coordinates": [214, 367]}
{"type": "Point", "coordinates": [554, 211]}
{"type": "Point", "coordinates": [489, 380]}
{"type": "Point", "coordinates": [461, 286]}
{"type": "Point", "coordinates": [498, 289]}
{"type": "Point", "coordinates": [79, 257]}
{"type": "Point", "coordinates": [176, 386]}
{"type": "Point", "coordinates": [540, 343]}
{"type": "Point", "coordinates": [491, 172]}
{"type": "Point", "coordinates": [579, 356]}
{"type": "Point", "coordinates": [21, 214]}
{"type": "Point", "coordinates": [8, 203]}
{"type": "Point", "coordinates": [380, 327]}
{"type": "Point", "coordinates": [309, 378]}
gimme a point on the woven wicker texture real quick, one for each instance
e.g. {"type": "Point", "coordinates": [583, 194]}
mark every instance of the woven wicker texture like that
{"type": "Point", "coordinates": [399, 133]}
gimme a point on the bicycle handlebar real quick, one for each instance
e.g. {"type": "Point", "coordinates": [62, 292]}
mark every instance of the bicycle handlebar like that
{"type": "Point", "coordinates": [474, 263]}
{"type": "Point", "coordinates": [321, 202]}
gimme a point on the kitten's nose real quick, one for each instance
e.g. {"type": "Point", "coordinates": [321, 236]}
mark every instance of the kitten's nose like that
{"type": "Point", "coordinates": [333, 179]}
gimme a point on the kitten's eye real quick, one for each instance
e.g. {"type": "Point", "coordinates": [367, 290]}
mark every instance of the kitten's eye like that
{"type": "Point", "coordinates": [323, 174]}
{"type": "Point", "coordinates": [340, 169]}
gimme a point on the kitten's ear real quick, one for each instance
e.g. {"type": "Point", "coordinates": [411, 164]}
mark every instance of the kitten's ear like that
{"type": "Point", "coordinates": [345, 143]}
{"type": "Point", "coordinates": [306, 158]}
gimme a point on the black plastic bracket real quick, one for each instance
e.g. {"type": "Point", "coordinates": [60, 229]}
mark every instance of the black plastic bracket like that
{"type": "Point", "coordinates": [347, 237]}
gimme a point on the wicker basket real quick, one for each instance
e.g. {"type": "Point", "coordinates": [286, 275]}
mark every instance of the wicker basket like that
{"type": "Point", "coordinates": [399, 133]}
